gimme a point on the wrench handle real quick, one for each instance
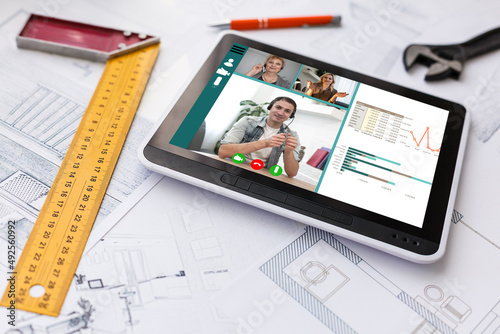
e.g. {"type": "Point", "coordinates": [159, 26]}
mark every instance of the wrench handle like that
{"type": "Point", "coordinates": [482, 44]}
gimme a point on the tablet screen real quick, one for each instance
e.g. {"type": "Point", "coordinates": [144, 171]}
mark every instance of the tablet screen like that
{"type": "Point", "coordinates": [319, 131]}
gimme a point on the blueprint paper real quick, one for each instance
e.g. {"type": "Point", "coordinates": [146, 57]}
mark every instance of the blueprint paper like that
{"type": "Point", "coordinates": [330, 281]}
{"type": "Point", "coordinates": [162, 269]}
{"type": "Point", "coordinates": [350, 288]}
{"type": "Point", "coordinates": [43, 98]}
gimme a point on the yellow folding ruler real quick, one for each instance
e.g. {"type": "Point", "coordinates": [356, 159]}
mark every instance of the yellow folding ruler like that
{"type": "Point", "coordinates": [58, 238]}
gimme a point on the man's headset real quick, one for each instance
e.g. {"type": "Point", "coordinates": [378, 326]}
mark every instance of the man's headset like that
{"type": "Point", "coordinates": [287, 99]}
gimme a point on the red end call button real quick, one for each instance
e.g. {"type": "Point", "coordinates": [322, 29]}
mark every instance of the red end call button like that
{"type": "Point", "coordinates": [257, 164]}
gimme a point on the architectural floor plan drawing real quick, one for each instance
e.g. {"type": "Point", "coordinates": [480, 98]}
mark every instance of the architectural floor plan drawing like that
{"type": "Point", "coordinates": [46, 117]}
{"type": "Point", "coordinates": [35, 136]}
{"type": "Point", "coordinates": [333, 273]}
{"type": "Point", "coordinates": [37, 124]}
{"type": "Point", "coordinates": [164, 268]}
{"type": "Point", "coordinates": [328, 280]}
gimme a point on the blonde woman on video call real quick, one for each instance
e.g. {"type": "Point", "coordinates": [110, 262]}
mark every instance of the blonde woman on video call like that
{"type": "Point", "coordinates": [323, 89]}
{"type": "Point", "coordinates": [269, 71]}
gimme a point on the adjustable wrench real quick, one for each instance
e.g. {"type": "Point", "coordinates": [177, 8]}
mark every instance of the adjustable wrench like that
{"type": "Point", "coordinates": [448, 60]}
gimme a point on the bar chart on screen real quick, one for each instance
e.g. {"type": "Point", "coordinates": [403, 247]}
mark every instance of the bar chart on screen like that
{"type": "Point", "coordinates": [386, 155]}
{"type": "Point", "coordinates": [370, 165]}
{"type": "Point", "coordinates": [394, 182]}
{"type": "Point", "coordinates": [390, 146]}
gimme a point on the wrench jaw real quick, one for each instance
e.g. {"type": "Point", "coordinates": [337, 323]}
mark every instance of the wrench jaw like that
{"type": "Point", "coordinates": [440, 71]}
{"type": "Point", "coordinates": [443, 61]}
{"type": "Point", "coordinates": [417, 54]}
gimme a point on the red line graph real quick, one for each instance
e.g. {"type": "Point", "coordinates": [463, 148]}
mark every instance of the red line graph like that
{"type": "Point", "coordinates": [421, 139]}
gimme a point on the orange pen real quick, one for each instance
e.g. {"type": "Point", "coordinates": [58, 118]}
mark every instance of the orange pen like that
{"type": "Point", "coordinates": [281, 22]}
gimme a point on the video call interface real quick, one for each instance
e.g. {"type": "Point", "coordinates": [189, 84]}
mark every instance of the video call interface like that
{"type": "Point", "coordinates": [318, 131]}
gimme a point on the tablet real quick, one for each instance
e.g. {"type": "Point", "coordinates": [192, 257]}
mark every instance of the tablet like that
{"type": "Point", "coordinates": [354, 155]}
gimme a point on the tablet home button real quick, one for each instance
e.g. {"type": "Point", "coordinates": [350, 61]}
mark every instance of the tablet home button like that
{"type": "Point", "coordinates": [330, 214]}
{"type": "Point", "coordinates": [243, 184]}
{"type": "Point", "coordinates": [344, 219]}
{"type": "Point", "coordinates": [229, 179]}
{"type": "Point", "coordinates": [337, 216]}
{"type": "Point", "coordinates": [267, 192]}
{"type": "Point", "coordinates": [304, 205]}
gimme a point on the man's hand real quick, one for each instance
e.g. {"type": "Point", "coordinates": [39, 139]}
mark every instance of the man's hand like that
{"type": "Point", "coordinates": [282, 138]}
{"type": "Point", "coordinates": [276, 140]}
{"type": "Point", "coordinates": [228, 150]}
{"type": "Point", "coordinates": [290, 143]}
{"type": "Point", "coordinates": [291, 165]}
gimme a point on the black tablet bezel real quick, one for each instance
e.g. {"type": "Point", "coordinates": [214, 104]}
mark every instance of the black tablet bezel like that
{"type": "Point", "coordinates": [424, 241]}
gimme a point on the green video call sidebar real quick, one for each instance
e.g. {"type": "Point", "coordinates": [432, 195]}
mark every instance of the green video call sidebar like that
{"type": "Point", "coordinates": [207, 98]}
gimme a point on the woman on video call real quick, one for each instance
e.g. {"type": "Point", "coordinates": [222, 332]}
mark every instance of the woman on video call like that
{"type": "Point", "coordinates": [323, 89]}
{"type": "Point", "coordinates": [272, 66]}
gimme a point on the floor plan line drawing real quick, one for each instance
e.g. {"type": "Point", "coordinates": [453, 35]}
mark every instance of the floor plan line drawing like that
{"type": "Point", "coordinates": [47, 117]}
{"type": "Point", "coordinates": [323, 276]}
{"type": "Point", "coordinates": [479, 234]}
{"type": "Point", "coordinates": [490, 323]}
{"type": "Point", "coordinates": [274, 269]}
{"type": "Point", "coordinates": [451, 309]}
{"type": "Point", "coordinates": [24, 192]}
{"type": "Point", "coordinates": [40, 112]}
{"type": "Point", "coordinates": [457, 218]}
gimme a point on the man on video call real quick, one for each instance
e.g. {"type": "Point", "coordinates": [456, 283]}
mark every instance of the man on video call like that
{"type": "Point", "coordinates": [265, 137]}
